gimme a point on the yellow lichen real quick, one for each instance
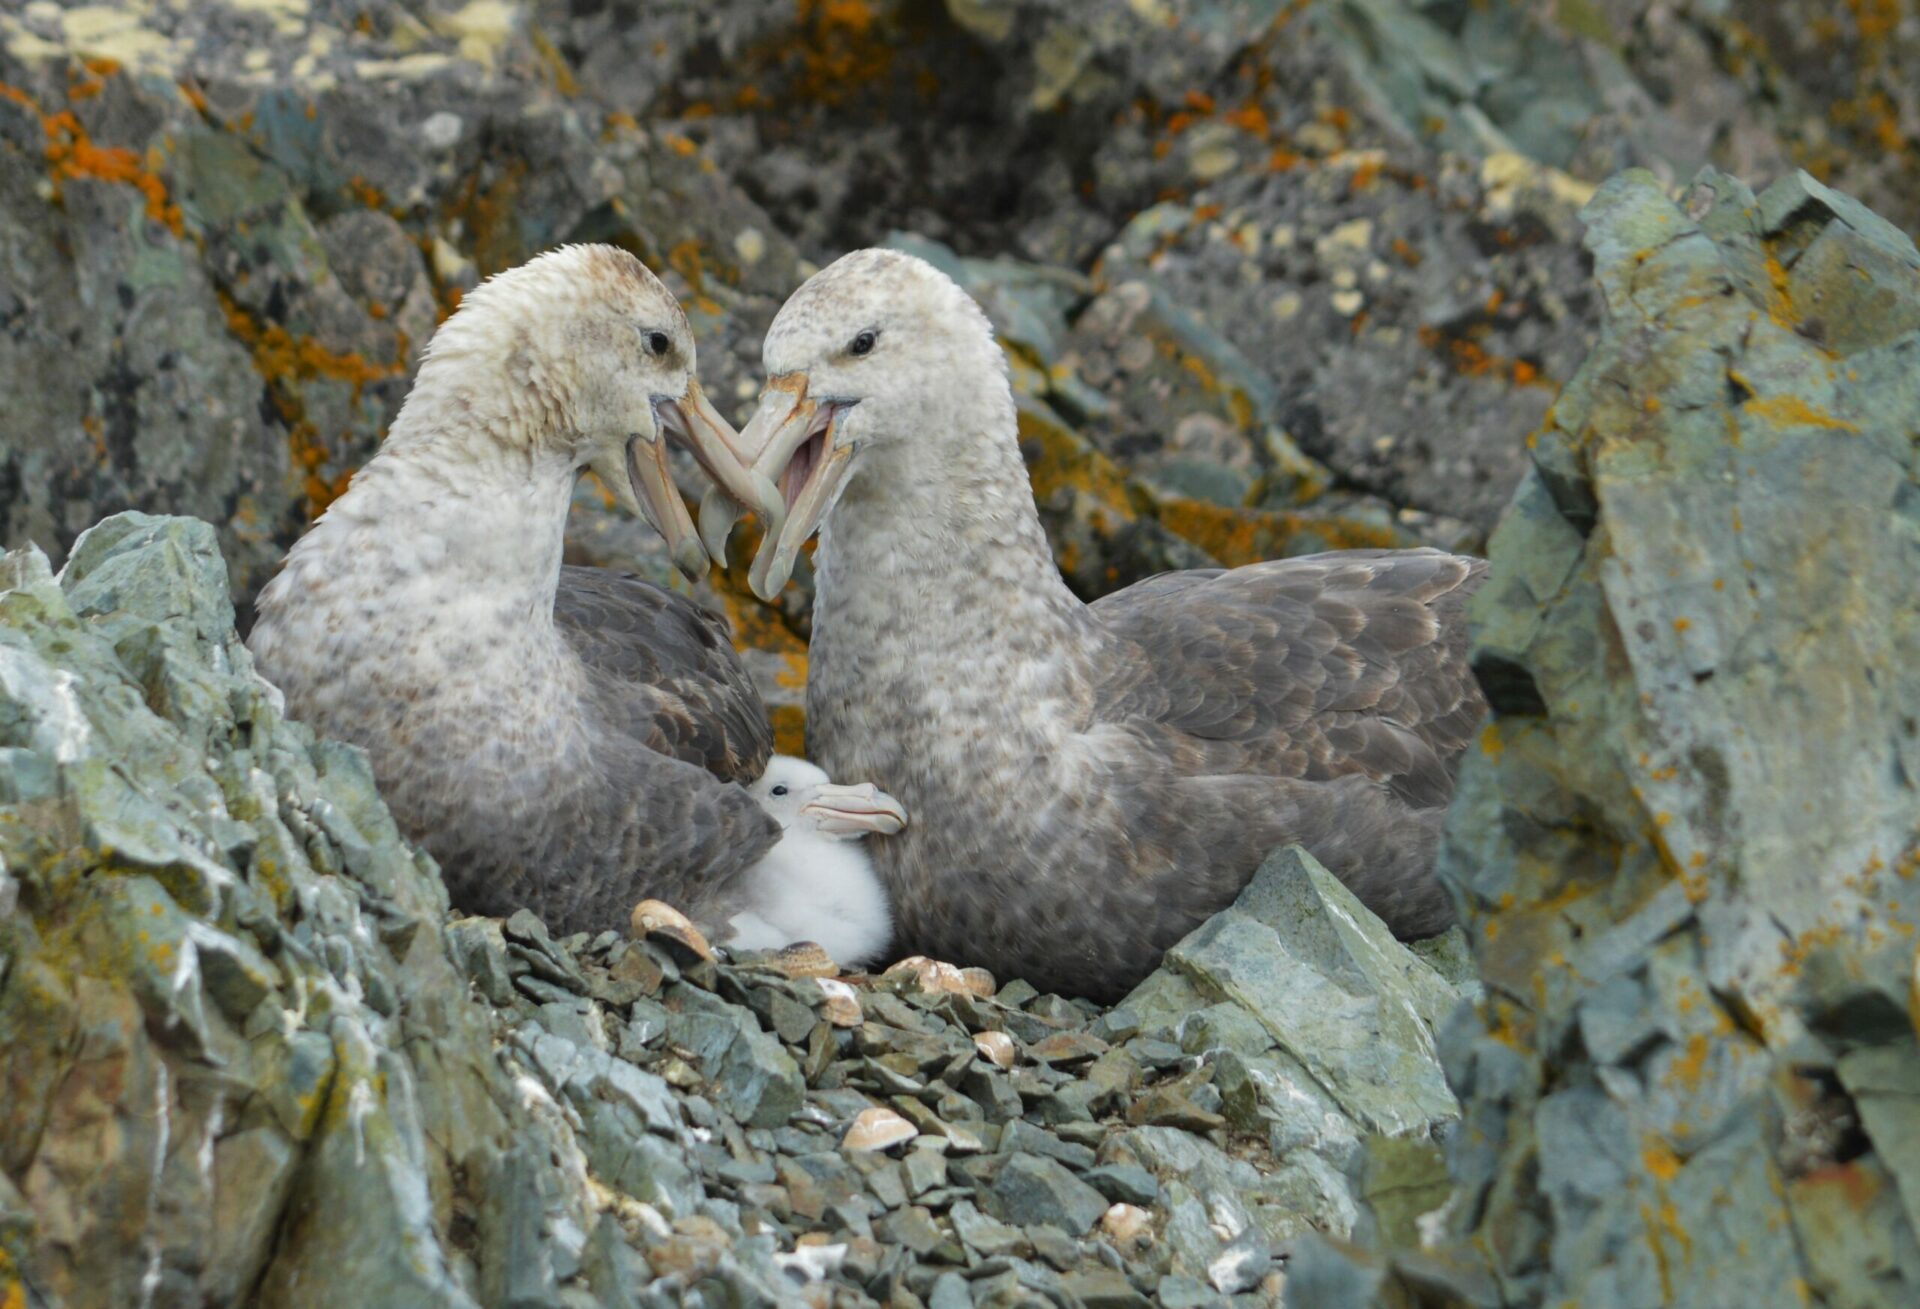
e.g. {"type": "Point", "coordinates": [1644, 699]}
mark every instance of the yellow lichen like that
{"type": "Point", "coordinates": [1792, 410]}
{"type": "Point", "coordinates": [1490, 743]}
{"type": "Point", "coordinates": [789, 728]}
{"type": "Point", "coordinates": [1237, 536]}
{"type": "Point", "coordinates": [1659, 1159]}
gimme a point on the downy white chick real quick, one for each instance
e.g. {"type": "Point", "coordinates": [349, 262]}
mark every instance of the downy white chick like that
{"type": "Point", "coordinates": [817, 883]}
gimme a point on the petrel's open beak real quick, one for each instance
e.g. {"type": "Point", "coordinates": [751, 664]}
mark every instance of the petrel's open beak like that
{"type": "Point", "coordinates": [660, 501]}
{"type": "Point", "coordinates": [793, 436]}
{"type": "Point", "coordinates": [853, 811]}
{"type": "Point", "coordinates": [696, 424]}
{"type": "Point", "coordinates": [780, 402]}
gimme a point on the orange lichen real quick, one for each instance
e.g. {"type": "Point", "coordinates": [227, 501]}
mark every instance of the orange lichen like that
{"type": "Point", "coordinates": [840, 49]}
{"type": "Point", "coordinates": [1782, 306]}
{"type": "Point", "coordinates": [366, 192]}
{"type": "Point", "coordinates": [1875, 20]}
{"type": "Point", "coordinates": [793, 675]}
{"type": "Point", "coordinates": [1056, 460]}
{"type": "Point", "coordinates": [284, 361]}
{"type": "Point", "coordinates": [97, 431]}
{"type": "Point", "coordinates": [13, 1293]}
{"type": "Point", "coordinates": [685, 260]}
{"type": "Point", "coordinates": [1250, 118]}
{"type": "Point", "coordinates": [1237, 536]}
{"type": "Point", "coordinates": [487, 203]}
{"type": "Point", "coordinates": [789, 723]}
{"type": "Point", "coordinates": [70, 153]}
{"type": "Point", "coordinates": [1470, 358]}
{"type": "Point", "coordinates": [558, 70]}
{"type": "Point", "coordinates": [1691, 1066]}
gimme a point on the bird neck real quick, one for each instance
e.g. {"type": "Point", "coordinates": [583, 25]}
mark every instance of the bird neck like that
{"type": "Point", "coordinates": [938, 603]}
{"type": "Point", "coordinates": [946, 533]}
{"type": "Point", "coordinates": [459, 502]}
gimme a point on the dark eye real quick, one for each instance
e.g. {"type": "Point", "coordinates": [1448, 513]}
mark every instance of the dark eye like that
{"type": "Point", "coordinates": [658, 343]}
{"type": "Point", "coordinates": [863, 343]}
{"type": "Point", "coordinates": [779, 790]}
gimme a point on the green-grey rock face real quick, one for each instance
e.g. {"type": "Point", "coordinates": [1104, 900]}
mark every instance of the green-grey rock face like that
{"type": "Point", "coordinates": [218, 954]}
{"type": "Point", "coordinates": [1687, 842]}
{"type": "Point", "coordinates": [243, 1062]}
{"type": "Point", "coordinates": [1332, 988]}
{"type": "Point", "coordinates": [1314, 1031]}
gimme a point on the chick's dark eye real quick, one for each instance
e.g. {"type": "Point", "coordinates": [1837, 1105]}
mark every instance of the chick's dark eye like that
{"type": "Point", "coordinates": [657, 343]}
{"type": "Point", "coordinates": [862, 344]}
{"type": "Point", "coordinates": [779, 790]}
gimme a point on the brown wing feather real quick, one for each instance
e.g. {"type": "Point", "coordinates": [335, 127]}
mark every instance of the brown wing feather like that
{"type": "Point", "coordinates": [666, 670]}
{"type": "Point", "coordinates": [1309, 668]}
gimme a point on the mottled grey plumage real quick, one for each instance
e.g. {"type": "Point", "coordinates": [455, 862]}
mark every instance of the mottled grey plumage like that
{"type": "Point", "coordinates": [1090, 782]}
{"type": "Point", "coordinates": [565, 739]}
{"type": "Point", "coordinates": [664, 671]}
{"type": "Point", "coordinates": [643, 809]}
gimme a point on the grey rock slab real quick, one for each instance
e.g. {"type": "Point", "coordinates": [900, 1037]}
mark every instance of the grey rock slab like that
{"type": "Point", "coordinates": [1333, 987]}
{"type": "Point", "coordinates": [1885, 1084]}
{"type": "Point", "coordinates": [1123, 1183]}
{"type": "Point", "coordinates": [1036, 1189]}
{"type": "Point", "coordinates": [1020, 1136]}
{"type": "Point", "coordinates": [983, 1234]}
{"type": "Point", "coordinates": [749, 1067]}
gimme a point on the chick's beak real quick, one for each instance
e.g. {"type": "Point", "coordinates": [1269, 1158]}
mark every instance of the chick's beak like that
{"type": "Point", "coordinates": [854, 811]}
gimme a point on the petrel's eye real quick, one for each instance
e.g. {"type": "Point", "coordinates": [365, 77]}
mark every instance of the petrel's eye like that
{"type": "Point", "coordinates": [779, 790]}
{"type": "Point", "coordinates": [863, 343]}
{"type": "Point", "coordinates": [658, 343]}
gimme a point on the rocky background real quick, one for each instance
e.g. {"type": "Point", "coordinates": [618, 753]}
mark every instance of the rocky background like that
{"type": "Point", "coordinates": [1273, 277]}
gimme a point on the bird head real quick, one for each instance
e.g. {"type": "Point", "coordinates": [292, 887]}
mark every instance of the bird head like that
{"type": "Point", "coordinates": [869, 353]}
{"type": "Point", "coordinates": [798, 794]}
{"type": "Point", "coordinates": [599, 360]}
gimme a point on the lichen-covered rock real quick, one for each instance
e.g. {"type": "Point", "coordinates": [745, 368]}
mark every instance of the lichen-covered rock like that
{"type": "Point", "coordinates": [218, 953]}
{"type": "Point", "coordinates": [1686, 845]}
{"type": "Point", "coordinates": [241, 1060]}
{"type": "Point", "coordinates": [1315, 1030]}
{"type": "Point", "coordinates": [234, 227]}
{"type": "Point", "coordinates": [1340, 232]}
